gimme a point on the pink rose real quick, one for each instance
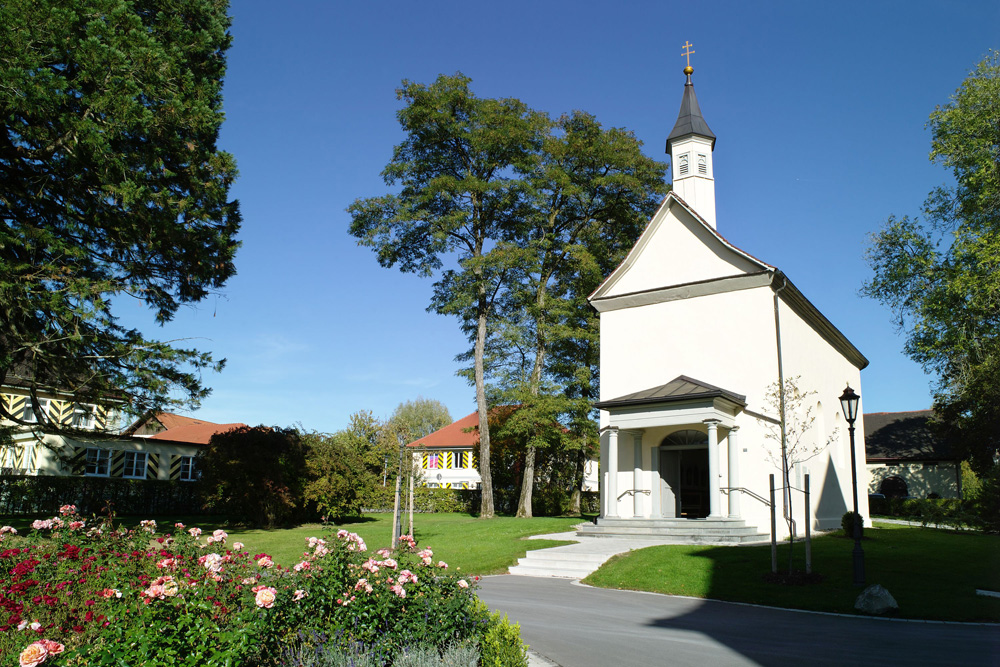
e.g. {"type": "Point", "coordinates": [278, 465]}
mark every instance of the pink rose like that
{"type": "Point", "coordinates": [237, 546]}
{"type": "Point", "coordinates": [8, 529]}
{"type": "Point", "coordinates": [300, 594]}
{"type": "Point", "coordinates": [33, 655]}
{"type": "Point", "coordinates": [462, 583]}
{"type": "Point", "coordinates": [265, 561]}
{"type": "Point", "coordinates": [195, 532]}
{"type": "Point", "coordinates": [54, 648]}
{"type": "Point", "coordinates": [75, 525]}
{"type": "Point", "coordinates": [443, 565]}
{"type": "Point", "coordinates": [265, 597]}
{"type": "Point", "coordinates": [220, 535]}
{"type": "Point", "coordinates": [398, 590]}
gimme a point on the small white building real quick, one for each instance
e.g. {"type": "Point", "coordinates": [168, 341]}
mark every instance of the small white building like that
{"type": "Point", "coordinates": [694, 332]}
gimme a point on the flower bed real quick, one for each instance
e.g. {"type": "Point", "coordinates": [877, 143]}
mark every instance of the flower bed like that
{"type": "Point", "coordinates": [76, 592]}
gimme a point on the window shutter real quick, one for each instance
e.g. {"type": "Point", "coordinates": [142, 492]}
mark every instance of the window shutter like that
{"type": "Point", "coordinates": [175, 467]}
{"type": "Point", "coordinates": [78, 464]}
{"type": "Point", "coordinates": [152, 466]}
{"type": "Point", "coordinates": [117, 463]}
{"type": "Point", "coordinates": [61, 412]}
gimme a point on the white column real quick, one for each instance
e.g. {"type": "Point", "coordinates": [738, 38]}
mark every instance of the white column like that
{"type": "Point", "coordinates": [732, 443]}
{"type": "Point", "coordinates": [713, 469]}
{"type": "Point", "coordinates": [611, 511]}
{"type": "Point", "coordinates": [656, 510]}
{"type": "Point", "coordinates": [636, 473]}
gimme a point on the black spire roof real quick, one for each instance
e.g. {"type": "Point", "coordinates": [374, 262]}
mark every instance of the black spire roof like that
{"type": "Point", "coordinates": [689, 120]}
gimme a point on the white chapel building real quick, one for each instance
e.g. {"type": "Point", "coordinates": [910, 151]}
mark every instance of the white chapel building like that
{"type": "Point", "coordinates": [694, 332]}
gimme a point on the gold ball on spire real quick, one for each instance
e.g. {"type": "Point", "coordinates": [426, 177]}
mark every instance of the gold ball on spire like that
{"type": "Point", "coordinates": [688, 70]}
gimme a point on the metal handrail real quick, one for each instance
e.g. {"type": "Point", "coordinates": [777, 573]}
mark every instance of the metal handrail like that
{"type": "Point", "coordinates": [632, 492]}
{"type": "Point", "coordinates": [727, 489]}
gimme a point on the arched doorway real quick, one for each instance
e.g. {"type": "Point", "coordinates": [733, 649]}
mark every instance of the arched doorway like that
{"type": "Point", "coordinates": [684, 475]}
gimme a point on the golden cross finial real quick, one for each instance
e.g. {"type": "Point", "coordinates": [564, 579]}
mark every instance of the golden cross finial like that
{"type": "Point", "coordinates": [687, 51]}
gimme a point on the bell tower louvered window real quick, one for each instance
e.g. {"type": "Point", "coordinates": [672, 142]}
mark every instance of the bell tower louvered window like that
{"type": "Point", "coordinates": [702, 165]}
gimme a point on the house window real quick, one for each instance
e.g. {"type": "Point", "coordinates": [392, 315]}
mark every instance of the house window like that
{"type": "Point", "coordinates": [30, 415]}
{"type": "Point", "coordinates": [83, 416]}
{"type": "Point", "coordinates": [683, 170]}
{"type": "Point", "coordinates": [189, 472]}
{"type": "Point", "coordinates": [135, 465]}
{"type": "Point", "coordinates": [98, 462]}
{"type": "Point", "coordinates": [432, 460]}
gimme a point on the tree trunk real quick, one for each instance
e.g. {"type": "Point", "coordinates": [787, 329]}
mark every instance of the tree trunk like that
{"type": "Point", "coordinates": [486, 509]}
{"type": "Point", "coordinates": [576, 498]}
{"type": "Point", "coordinates": [527, 482]}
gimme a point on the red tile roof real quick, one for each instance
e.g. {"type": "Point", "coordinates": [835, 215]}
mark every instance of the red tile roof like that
{"type": "Point", "coordinates": [170, 420]}
{"type": "Point", "coordinates": [197, 433]}
{"type": "Point", "coordinates": [463, 433]}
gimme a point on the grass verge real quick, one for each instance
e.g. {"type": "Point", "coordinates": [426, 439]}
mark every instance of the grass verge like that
{"type": "Point", "coordinates": [933, 574]}
{"type": "Point", "coordinates": [477, 546]}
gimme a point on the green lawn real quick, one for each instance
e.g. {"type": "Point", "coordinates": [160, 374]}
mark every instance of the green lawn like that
{"type": "Point", "coordinates": [933, 574]}
{"type": "Point", "coordinates": [477, 546]}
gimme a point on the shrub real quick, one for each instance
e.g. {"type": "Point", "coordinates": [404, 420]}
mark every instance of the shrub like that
{"type": "Point", "coordinates": [848, 521]}
{"type": "Point", "coordinates": [501, 645]}
{"type": "Point", "coordinates": [126, 597]}
{"type": "Point", "coordinates": [985, 505]}
{"type": "Point", "coordinates": [256, 474]}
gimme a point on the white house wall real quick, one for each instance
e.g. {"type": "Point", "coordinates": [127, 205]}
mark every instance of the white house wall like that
{"type": "Point", "coordinates": [47, 461]}
{"type": "Point", "coordinates": [675, 249]}
{"type": "Point", "coordinates": [922, 479]}
{"type": "Point", "coordinates": [728, 340]}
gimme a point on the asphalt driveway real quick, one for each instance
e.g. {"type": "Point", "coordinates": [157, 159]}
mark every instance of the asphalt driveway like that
{"type": "Point", "coordinates": [577, 626]}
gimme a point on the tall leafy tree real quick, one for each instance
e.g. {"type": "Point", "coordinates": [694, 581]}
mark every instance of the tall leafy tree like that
{"type": "Point", "coordinates": [942, 278]}
{"type": "Point", "coordinates": [458, 196]}
{"type": "Point", "coordinates": [421, 416]}
{"type": "Point", "coordinates": [589, 196]}
{"type": "Point", "coordinates": [111, 187]}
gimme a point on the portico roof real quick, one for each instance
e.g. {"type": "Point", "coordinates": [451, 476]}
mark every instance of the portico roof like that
{"type": "Point", "coordinates": [681, 388]}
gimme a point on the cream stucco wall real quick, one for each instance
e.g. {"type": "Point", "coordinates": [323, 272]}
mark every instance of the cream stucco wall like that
{"type": "Point", "coordinates": [922, 479]}
{"type": "Point", "coordinates": [46, 457]}
{"type": "Point", "coordinates": [726, 339]}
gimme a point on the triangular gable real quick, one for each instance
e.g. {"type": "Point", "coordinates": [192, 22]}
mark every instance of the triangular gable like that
{"type": "Point", "coordinates": [677, 247]}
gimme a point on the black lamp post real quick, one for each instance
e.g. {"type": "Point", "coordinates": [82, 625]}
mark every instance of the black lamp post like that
{"type": "Point", "coordinates": [849, 403]}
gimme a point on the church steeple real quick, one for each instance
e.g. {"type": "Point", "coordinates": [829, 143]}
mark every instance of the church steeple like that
{"type": "Point", "coordinates": [690, 145]}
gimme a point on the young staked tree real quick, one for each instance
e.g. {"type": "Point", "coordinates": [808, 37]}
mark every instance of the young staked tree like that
{"type": "Point", "coordinates": [942, 281]}
{"type": "Point", "coordinates": [458, 196]}
{"type": "Point", "coordinates": [589, 195]}
{"type": "Point", "coordinates": [793, 439]}
{"type": "Point", "coordinates": [111, 186]}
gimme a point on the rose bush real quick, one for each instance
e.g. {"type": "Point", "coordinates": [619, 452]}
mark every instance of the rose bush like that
{"type": "Point", "coordinates": [77, 591]}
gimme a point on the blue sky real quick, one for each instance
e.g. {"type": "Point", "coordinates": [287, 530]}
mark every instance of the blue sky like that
{"type": "Point", "coordinates": [819, 109]}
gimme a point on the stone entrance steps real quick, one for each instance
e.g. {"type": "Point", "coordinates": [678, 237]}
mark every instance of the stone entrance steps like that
{"type": "Point", "coordinates": [677, 531]}
{"type": "Point", "coordinates": [566, 564]}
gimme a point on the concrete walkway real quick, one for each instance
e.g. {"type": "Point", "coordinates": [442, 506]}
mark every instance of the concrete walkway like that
{"type": "Point", "coordinates": [576, 561]}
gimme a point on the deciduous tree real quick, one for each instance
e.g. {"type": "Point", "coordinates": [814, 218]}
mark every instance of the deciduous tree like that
{"type": "Point", "coordinates": [111, 187]}
{"type": "Point", "coordinates": [590, 194]}
{"type": "Point", "coordinates": [421, 416]}
{"type": "Point", "coordinates": [942, 278]}
{"type": "Point", "coordinates": [458, 197]}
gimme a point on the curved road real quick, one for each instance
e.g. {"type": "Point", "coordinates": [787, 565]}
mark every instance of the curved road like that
{"type": "Point", "coordinates": [578, 626]}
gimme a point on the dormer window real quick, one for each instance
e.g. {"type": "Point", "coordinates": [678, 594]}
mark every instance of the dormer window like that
{"type": "Point", "coordinates": [682, 169]}
{"type": "Point", "coordinates": [702, 165]}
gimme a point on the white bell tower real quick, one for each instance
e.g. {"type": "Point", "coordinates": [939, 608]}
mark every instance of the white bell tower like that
{"type": "Point", "coordinates": [690, 147]}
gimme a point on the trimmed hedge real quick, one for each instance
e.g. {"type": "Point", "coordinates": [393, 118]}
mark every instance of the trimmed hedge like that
{"type": "Point", "coordinates": [22, 494]}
